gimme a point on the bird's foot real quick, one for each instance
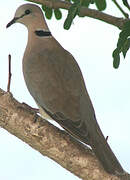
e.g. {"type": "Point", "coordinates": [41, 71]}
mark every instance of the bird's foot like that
{"type": "Point", "coordinates": [35, 110]}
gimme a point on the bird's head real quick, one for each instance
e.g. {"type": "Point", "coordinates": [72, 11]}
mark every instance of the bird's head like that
{"type": "Point", "coordinates": [30, 15]}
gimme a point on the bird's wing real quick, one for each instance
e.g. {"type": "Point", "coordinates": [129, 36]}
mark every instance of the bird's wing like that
{"type": "Point", "coordinates": [58, 87]}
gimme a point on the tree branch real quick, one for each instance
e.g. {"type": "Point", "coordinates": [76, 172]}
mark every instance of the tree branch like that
{"type": "Point", "coordinates": [84, 11]}
{"type": "Point", "coordinates": [24, 123]}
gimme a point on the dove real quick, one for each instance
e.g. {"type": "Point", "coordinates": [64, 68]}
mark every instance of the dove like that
{"type": "Point", "coordinates": [56, 83]}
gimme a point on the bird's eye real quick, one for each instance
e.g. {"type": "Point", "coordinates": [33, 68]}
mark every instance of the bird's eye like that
{"type": "Point", "coordinates": [27, 11]}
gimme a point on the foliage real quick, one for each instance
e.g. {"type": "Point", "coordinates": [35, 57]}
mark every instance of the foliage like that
{"type": "Point", "coordinates": [125, 2]}
{"type": "Point", "coordinates": [49, 12]}
{"type": "Point", "coordinates": [74, 10]}
{"type": "Point", "coordinates": [123, 43]}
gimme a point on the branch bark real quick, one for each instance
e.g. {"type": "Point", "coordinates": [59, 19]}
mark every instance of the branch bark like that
{"type": "Point", "coordinates": [50, 141]}
{"type": "Point", "coordinates": [84, 11]}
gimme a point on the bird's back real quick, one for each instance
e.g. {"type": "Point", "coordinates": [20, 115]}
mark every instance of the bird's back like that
{"type": "Point", "coordinates": [55, 72]}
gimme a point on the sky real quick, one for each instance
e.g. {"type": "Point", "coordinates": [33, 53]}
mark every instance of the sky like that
{"type": "Point", "coordinates": [91, 42]}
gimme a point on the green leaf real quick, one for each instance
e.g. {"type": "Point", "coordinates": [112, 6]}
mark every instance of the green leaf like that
{"type": "Point", "coordinates": [58, 14]}
{"type": "Point", "coordinates": [43, 7]}
{"type": "Point", "coordinates": [48, 12]}
{"type": "Point", "coordinates": [127, 25]}
{"type": "Point", "coordinates": [124, 34]}
{"type": "Point", "coordinates": [125, 2]}
{"type": "Point", "coordinates": [123, 44]}
{"type": "Point", "coordinates": [122, 38]}
{"type": "Point", "coordinates": [126, 47]}
{"type": "Point", "coordinates": [101, 4]}
{"type": "Point", "coordinates": [116, 58]}
{"type": "Point", "coordinates": [72, 12]}
{"type": "Point", "coordinates": [92, 1]}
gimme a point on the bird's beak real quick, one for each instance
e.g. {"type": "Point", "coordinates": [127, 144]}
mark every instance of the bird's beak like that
{"type": "Point", "coordinates": [12, 22]}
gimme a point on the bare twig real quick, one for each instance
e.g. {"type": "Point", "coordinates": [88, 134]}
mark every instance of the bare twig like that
{"type": "Point", "coordinates": [9, 74]}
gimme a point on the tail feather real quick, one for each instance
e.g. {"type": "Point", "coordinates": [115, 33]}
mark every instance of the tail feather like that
{"type": "Point", "coordinates": [91, 134]}
{"type": "Point", "coordinates": [104, 153]}
{"type": "Point", "coordinates": [99, 145]}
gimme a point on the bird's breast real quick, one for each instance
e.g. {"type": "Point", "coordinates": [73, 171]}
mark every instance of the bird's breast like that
{"type": "Point", "coordinates": [52, 83]}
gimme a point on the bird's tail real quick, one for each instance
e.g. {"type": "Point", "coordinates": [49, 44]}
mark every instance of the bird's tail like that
{"type": "Point", "coordinates": [94, 137]}
{"type": "Point", "coordinates": [103, 151]}
{"type": "Point", "coordinates": [89, 132]}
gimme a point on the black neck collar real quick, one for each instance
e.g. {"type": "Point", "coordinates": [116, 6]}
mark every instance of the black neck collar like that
{"type": "Point", "coordinates": [43, 33]}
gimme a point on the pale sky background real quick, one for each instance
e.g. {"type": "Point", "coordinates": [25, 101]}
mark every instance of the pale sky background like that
{"type": "Point", "coordinates": [91, 42]}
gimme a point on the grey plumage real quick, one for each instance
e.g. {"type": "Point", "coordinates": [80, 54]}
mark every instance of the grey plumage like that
{"type": "Point", "coordinates": [55, 81]}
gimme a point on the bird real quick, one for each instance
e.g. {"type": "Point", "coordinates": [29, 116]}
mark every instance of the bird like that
{"type": "Point", "coordinates": [55, 81]}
